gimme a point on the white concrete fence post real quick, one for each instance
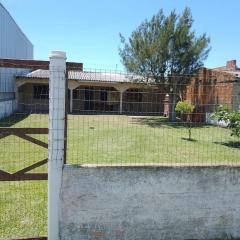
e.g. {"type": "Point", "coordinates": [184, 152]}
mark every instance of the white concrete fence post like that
{"type": "Point", "coordinates": [57, 88]}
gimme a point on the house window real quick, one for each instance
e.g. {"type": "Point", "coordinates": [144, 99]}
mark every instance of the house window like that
{"type": "Point", "coordinates": [41, 92]}
{"type": "Point", "coordinates": [103, 95]}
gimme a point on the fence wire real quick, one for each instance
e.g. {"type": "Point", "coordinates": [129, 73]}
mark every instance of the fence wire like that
{"type": "Point", "coordinates": [121, 119]}
{"type": "Point", "coordinates": [23, 157]}
{"type": "Point", "coordinates": [113, 118]}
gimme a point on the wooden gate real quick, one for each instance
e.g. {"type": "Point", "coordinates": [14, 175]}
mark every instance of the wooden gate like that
{"type": "Point", "coordinates": [25, 173]}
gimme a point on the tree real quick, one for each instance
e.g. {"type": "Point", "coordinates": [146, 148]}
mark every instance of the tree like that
{"type": "Point", "coordinates": [232, 119]}
{"type": "Point", "coordinates": [185, 108]}
{"type": "Point", "coordinates": [165, 50]}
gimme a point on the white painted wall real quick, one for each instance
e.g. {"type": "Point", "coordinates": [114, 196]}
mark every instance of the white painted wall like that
{"type": "Point", "coordinates": [158, 203]}
{"type": "Point", "coordinates": [210, 120]}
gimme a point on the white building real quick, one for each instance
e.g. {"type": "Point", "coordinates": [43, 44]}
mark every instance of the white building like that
{"type": "Point", "coordinates": [13, 45]}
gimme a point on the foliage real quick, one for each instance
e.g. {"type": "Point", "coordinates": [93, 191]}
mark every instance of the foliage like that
{"type": "Point", "coordinates": [232, 118]}
{"type": "Point", "coordinates": [222, 113]}
{"type": "Point", "coordinates": [184, 107]}
{"type": "Point", "coordinates": [165, 45]}
{"type": "Point", "coordinates": [164, 48]}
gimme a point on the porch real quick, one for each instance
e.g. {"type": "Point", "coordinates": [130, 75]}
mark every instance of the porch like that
{"type": "Point", "coordinates": [94, 98]}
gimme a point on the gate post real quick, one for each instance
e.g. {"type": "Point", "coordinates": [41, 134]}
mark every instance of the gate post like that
{"type": "Point", "coordinates": [57, 89]}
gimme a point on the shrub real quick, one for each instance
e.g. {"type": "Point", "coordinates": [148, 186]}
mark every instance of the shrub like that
{"type": "Point", "coordinates": [231, 118]}
{"type": "Point", "coordinates": [184, 107]}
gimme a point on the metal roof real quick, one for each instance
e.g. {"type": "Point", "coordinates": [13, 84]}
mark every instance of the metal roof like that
{"type": "Point", "coordinates": [88, 76]}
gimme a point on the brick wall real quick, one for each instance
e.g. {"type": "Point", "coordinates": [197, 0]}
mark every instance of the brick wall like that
{"type": "Point", "coordinates": [207, 90]}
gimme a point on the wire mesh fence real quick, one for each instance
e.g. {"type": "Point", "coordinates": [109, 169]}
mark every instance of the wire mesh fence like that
{"type": "Point", "coordinates": [113, 118]}
{"type": "Point", "coordinates": [122, 119]}
{"type": "Point", "coordinates": [23, 159]}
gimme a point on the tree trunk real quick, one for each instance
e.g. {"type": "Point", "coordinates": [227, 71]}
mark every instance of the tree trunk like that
{"type": "Point", "coordinates": [173, 99]}
{"type": "Point", "coordinates": [189, 127]}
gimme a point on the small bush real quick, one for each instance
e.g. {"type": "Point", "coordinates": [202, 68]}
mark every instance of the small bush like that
{"type": "Point", "coordinates": [232, 118]}
{"type": "Point", "coordinates": [184, 107]}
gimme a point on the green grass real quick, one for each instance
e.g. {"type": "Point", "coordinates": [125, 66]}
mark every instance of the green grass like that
{"type": "Point", "coordinates": [100, 139]}
{"type": "Point", "coordinates": [124, 139]}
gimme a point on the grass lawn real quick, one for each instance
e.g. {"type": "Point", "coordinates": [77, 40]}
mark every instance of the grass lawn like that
{"type": "Point", "coordinates": [100, 139]}
{"type": "Point", "coordinates": [108, 139]}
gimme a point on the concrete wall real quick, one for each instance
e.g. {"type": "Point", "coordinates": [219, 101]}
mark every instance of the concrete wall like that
{"type": "Point", "coordinates": [210, 120]}
{"type": "Point", "coordinates": [146, 203]}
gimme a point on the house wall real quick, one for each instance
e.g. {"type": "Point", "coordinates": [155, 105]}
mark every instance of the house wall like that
{"type": "Point", "coordinates": [236, 96]}
{"type": "Point", "coordinates": [149, 203]}
{"type": "Point", "coordinates": [152, 102]}
{"type": "Point", "coordinates": [209, 89]}
{"type": "Point", "coordinates": [27, 102]}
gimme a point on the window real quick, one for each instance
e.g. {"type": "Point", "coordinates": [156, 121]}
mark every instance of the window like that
{"type": "Point", "coordinates": [103, 95]}
{"type": "Point", "coordinates": [41, 92]}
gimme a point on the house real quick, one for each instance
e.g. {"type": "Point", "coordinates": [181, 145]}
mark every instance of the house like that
{"type": "Point", "coordinates": [231, 67]}
{"type": "Point", "coordinates": [92, 91]}
{"type": "Point", "coordinates": [115, 92]}
{"type": "Point", "coordinates": [13, 45]}
{"type": "Point", "coordinates": [211, 87]}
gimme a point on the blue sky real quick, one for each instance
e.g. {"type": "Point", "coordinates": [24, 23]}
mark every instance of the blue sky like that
{"type": "Point", "coordinates": [88, 30]}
